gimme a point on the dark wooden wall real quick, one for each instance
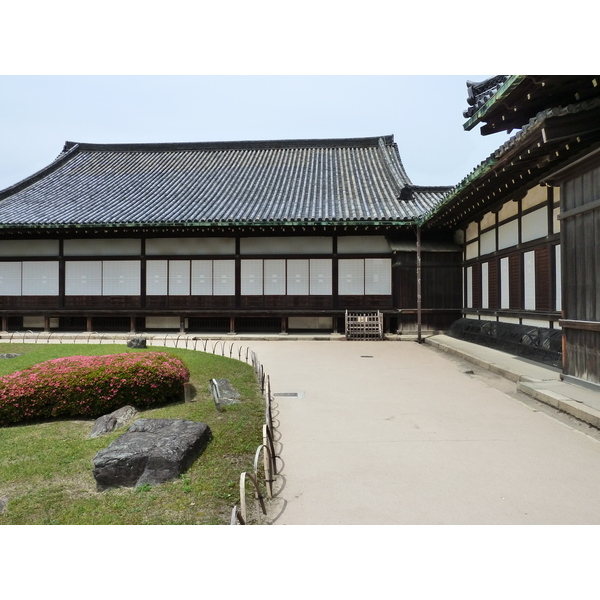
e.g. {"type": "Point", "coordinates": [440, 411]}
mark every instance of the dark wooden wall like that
{"type": "Point", "coordinates": [441, 289]}
{"type": "Point", "coordinates": [580, 228]}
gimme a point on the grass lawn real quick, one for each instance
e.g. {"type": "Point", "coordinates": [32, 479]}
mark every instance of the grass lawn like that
{"type": "Point", "coordinates": [46, 468]}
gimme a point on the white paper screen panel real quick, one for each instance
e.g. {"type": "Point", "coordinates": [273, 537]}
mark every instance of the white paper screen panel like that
{"type": "Point", "coordinates": [179, 278]}
{"type": "Point", "coordinates": [469, 287]}
{"type": "Point", "coordinates": [558, 281]}
{"type": "Point", "coordinates": [10, 278]}
{"type": "Point", "coordinates": [378, 276]}
{"type": "Point", "coordinates": [504, 283]}
{"type": "Point", "coordinates": [252, 277]}
{"type": "Point", "coordinates": [14, 248]}
{"type": "Point", "coordinates": [121, 278]}
{"type": "Point", "coordinates": [224, 278]}
{"type": "Point", "coordinates": [508, 234]}
{"type": "Point", "coordinates": [40, 278]}
{"type": "Point", "coordinates": [127, 247]}
{"type": "Point", "coordinates": [472, 250]}
{"type": "Point", "coordinates": [487, 242]}
{"type": "Point", "coordinates": [202, 277]}
{"type": "Point", "coordinates": [189, 246]}
{"type": "Point", "coordinates": [83, 278]}
{"type": "Point", "coordinates": [351, 280]}
{"type": "Point", "coordinates": [376, 244]}
{"type": "Point", "coordinates": [287, 245]}
{"type": "Point", "coordinates": [274, 277]}
{"type": "Point", "coordinates": [297, 277]}
{"type": "Point", "coordinates": [156, 278]}
{"type": "Point", "coordinates": [472, 231]}
{"type": "Point", "coordinates": [485, 296]}
{"type": "Point", "coordinates": [529, 268]}
{"type": "Point", "coordinates": [534, 225]}
{"type": "Point", "coordinates": [320, 276]}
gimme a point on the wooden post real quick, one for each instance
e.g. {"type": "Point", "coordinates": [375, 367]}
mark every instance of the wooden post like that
{"type": "Point", "coordinates": [419, 284]}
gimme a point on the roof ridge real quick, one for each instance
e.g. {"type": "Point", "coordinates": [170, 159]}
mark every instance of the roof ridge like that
{"type": "Point", "coordinates": [362, 142]}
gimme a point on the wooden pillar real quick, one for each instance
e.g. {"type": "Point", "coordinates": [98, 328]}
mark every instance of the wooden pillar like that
{"type": "Point", "coordinates": [419, 284]}
{"type": "Point", "coordinates": [284, 324]}
{"type": "Point", "coordinates": [88, 323]}
{"type": "Point", "coordinates": [132, 324]}
{"type": "Point", "coordinates": [231, 325]}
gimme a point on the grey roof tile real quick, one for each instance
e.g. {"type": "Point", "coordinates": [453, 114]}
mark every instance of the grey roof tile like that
{"type": "Point", "coordinates": [328, 180]}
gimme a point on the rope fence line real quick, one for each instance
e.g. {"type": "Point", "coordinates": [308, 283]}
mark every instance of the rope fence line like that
{"type": "Point", "coordinates": [239, 515]}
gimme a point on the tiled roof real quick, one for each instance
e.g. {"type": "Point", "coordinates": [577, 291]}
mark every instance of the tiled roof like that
{"type": "Point", "coordinates": [544, 157]}
{"type": "Point", "coordinates": [478, 93]}
{"type": "Point", "coordinates": [271, 182]}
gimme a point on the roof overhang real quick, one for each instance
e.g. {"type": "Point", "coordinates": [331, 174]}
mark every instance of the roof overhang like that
{"type": "Point", "coordinates": [551, 141]}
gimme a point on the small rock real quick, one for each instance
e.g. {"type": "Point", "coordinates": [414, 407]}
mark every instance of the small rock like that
{"type": "Point", "coordinates": [139, 342]}
{"type": "Point", "coordinates": [3, 504]}
{"type": "Point", "coordinates": [223, 393]}
{"type": "Point", "coordinates": [9, 355]}
{"type": "Point", "coordinates": [108, 423]}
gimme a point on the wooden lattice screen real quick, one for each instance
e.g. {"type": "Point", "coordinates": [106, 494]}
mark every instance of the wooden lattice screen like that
{"type": "Point", "coordinates": [364, 325]}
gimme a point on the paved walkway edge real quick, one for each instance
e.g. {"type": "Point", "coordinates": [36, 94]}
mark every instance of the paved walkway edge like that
{"type": "Point", "coordinates": [539, 382]}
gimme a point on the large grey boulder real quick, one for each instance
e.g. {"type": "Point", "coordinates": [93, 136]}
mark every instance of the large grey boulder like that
{"type": "Point", "coordinates": [152, 451]}
{"type": "Point", "coordinates": [115, 420]}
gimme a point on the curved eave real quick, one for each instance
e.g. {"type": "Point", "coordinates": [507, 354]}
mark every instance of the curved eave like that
{"type": "Point", "coordinates": [509, 85]}
{"type": "Point", "coordinates": [212, 224]}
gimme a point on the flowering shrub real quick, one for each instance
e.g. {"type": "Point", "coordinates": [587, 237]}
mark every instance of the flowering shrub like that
{"type": "Point", "coordinates": [90, 386]}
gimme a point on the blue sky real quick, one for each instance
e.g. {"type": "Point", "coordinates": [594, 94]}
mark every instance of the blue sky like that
{"type": "Point", "coordinates": [189, 71]}
{"type": "Point", "coordinates": [424, 113]}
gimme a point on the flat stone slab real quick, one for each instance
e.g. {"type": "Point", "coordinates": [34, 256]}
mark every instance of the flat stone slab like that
{"type": "Point", "coordinates": [152, 451]}
{"type": "Point", "coordinates": [116, 419]}
{"type": "Point", "coordinates": [223, 393]}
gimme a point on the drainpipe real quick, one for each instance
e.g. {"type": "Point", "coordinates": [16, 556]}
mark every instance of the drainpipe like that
{"type": "Point", "coordinates": [419, 340]}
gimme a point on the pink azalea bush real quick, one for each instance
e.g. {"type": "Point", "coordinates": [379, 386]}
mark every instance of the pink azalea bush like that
{"type": "Point", "coordinates": [90, 386]}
